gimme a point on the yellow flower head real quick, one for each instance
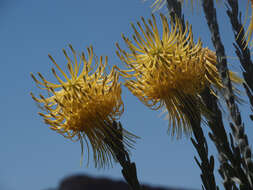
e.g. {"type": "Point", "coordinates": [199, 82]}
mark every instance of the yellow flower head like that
{"type": "Point", "coordinates": [169, 71]}
{"type": "Point", "coordinates": [81, 105]}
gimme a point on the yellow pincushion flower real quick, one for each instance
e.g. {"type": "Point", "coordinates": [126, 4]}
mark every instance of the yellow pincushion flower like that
{"type": "Point", "coordinates": [84, 105]}
{"type": "Point", "coordinates": [169, 71]}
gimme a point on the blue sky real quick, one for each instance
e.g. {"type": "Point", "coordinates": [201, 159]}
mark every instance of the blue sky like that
{"type": "Point", "coordinates": [33, 156]}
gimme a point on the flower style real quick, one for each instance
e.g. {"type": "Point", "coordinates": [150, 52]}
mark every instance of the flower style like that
{"type": "Point", "coordinates": [84, 105]}
{"type": "Point", "coordinates": [170, 71]}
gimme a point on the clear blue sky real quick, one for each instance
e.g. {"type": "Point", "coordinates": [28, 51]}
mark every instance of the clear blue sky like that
{"type": "Point", "coordinates": [33, 156]}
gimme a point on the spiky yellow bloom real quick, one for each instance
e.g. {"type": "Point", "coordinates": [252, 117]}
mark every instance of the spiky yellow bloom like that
{"type": "Point", "coordinates": [169, 71]}
{"type": "Point", "coordinates": [83, 105]}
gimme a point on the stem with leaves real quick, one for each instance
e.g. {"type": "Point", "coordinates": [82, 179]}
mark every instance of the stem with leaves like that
{"type": "Point", "coordinates": [240, 148]}
{"type": "Point", "coordinates": [242, 49]}
{"type": "Point", "coordinates": [128, 168]}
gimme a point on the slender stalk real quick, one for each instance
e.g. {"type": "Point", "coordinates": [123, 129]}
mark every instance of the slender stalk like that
{"type": "Point", "coordinates": [207, 164]}
{"type": "Point", "coordinates": [128, 168]}
{"type": "Point", "coordinates": [175, 10]}
{"type": "Point", "coordinates": [210, 14]}
{"type": "Point", "coordinates": [242, 49]}
{"type": "Point", "coordinates": [219, 136]}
